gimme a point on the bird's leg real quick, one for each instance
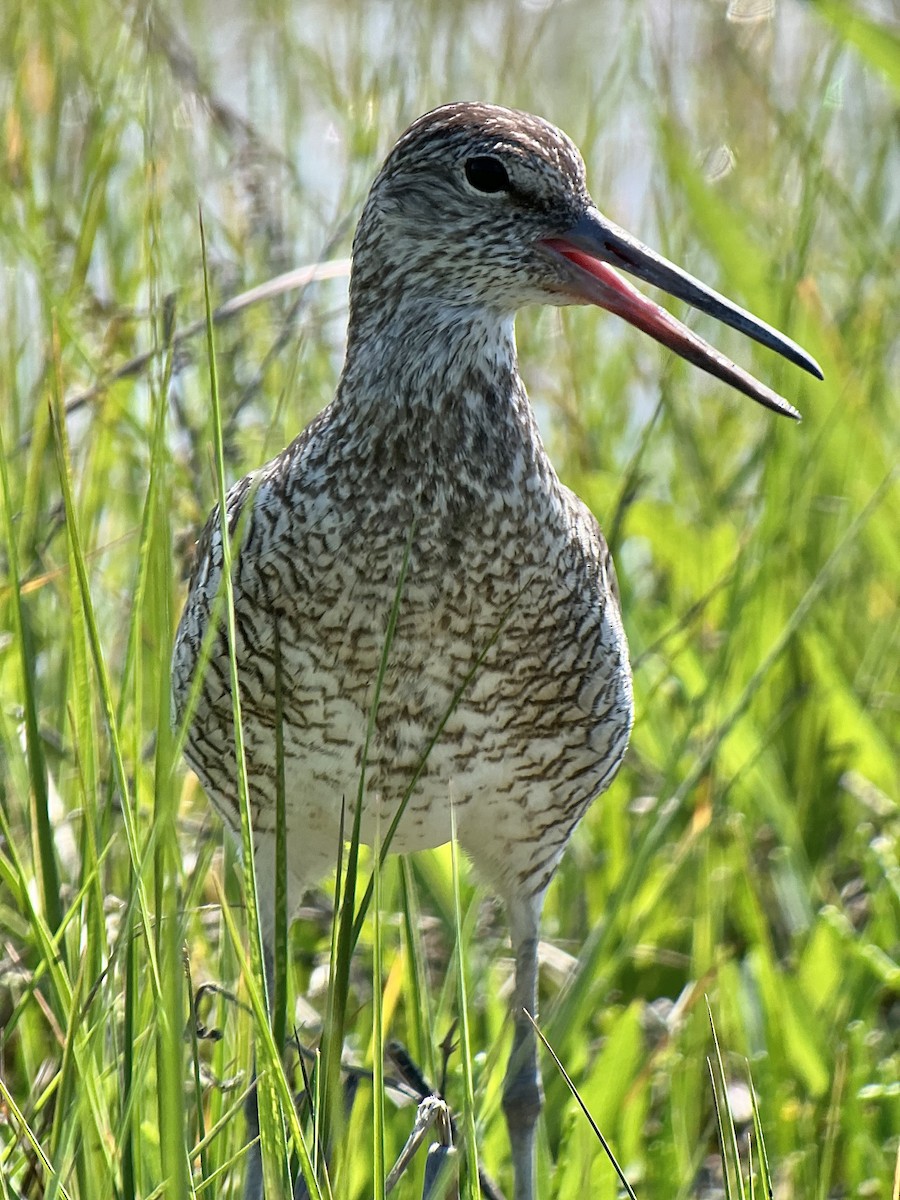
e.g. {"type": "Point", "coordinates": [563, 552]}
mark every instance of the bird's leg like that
{"type": "Point", "coordinates": [265, 890]}
{"type": "Point", "coordinates": [253, 1179]}
{"type": "Point", "coordinates": [522, 1093]}
{"type": "Point", "coordinates": [266, 897]}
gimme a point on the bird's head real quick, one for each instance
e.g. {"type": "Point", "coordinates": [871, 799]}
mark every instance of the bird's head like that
{"type": "Point", "coordinates": [485, 207]}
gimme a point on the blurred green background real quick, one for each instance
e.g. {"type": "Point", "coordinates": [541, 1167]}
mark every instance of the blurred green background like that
{"type": "Point", "coordinates": [748, 851]}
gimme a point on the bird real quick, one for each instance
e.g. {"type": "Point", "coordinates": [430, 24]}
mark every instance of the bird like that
{"type": "Point", "coordinates": [423, 495]}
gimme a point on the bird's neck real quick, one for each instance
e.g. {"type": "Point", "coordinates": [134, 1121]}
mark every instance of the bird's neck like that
{"type": "Point", "coordinates": [422, 348]}
{"type": "Point", "coordinates": [432, 389]}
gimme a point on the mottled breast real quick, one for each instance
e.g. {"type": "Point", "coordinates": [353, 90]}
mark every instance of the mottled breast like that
{"type": "Point", "coordinates": [505, 684]}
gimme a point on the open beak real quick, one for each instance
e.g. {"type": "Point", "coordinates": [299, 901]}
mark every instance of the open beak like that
{"type": "Point", "coordinates": [594, 245]}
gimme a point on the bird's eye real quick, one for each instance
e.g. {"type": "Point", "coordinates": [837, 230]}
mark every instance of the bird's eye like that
{"type": "Point", "coordinates": [487, 174]}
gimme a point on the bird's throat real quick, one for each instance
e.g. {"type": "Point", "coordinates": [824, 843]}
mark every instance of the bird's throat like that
{"type": "Point", "coordinates": [434, 393]}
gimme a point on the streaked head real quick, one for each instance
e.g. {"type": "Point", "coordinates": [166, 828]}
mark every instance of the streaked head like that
{"type": "Point", "coordinates": [483, 206]}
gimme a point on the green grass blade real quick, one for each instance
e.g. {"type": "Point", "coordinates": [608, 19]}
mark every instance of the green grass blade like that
{"type": "Point", "coordinates": [378, 1124]}
{"type": "Point", "coordinates": [280, 941]}
{"type": "Point", "coordinates": [30, 1136]}
{"type": "Point", "coordinates": [879, 43]}
{"type": "Point", "coordinates": [419, 1005]}
{"type": "Point", "coordinates": [470, 1132]}
{"type": "Point", "coordinates": [598, 1133]}
{"type": "Point", "coordinates": [349, 922]}
{"type": "Point", "coordinates": [271, 1125]}
{"type": "Point", "coordinates": [103, 679]}
{"type": "Point", "coordinates": [49, 873]}
{"type": "Point", "coordinates": [765, 1174]}
{"type": "Point", "coordinates": [731, 1157]}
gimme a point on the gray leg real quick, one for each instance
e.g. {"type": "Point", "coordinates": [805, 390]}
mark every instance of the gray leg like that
{"type": "Point", "coordinates": [522, 1094]}
{"type": "Point", "coordinates": [265, 883]}
{"type": "Point", "coordinates": [253, 1179]}
{"type": "Point", "coordinates": [318, 859]}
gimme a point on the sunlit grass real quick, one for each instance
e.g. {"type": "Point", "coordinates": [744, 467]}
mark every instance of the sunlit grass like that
{"type": "Point", "coordinates": [748, 852]}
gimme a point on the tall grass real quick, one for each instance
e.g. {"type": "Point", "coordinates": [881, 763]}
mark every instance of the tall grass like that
{"type": "Point", "coordinates": [748, 852]}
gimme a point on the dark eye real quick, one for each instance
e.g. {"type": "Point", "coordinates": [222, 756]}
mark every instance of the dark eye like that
{"type": "Point", "coordinates": [487, 174]}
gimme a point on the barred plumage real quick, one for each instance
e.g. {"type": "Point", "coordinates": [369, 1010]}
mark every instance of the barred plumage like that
{"type": "Point", "coordinates": [509, 630]}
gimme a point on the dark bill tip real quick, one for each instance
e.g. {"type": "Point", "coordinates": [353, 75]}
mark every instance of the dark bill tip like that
{"type": "Point", "coordinates": [594, 246]}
